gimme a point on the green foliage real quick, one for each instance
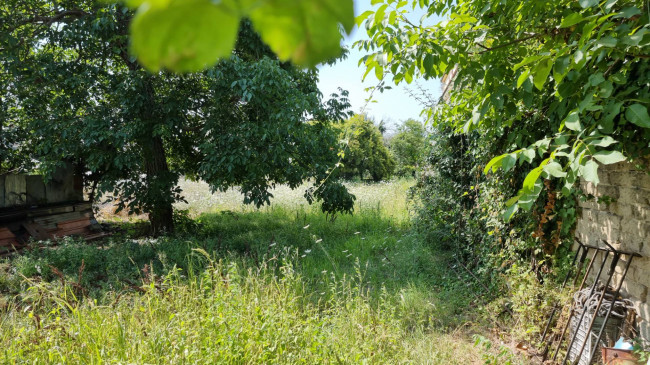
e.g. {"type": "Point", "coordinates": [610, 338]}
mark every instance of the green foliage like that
{"type": "Point", "coordinates": [408, 146]}
{"type": "Point", "coordinates": [183, 222]}
{"type": "Point", "coordinates": [503, 356]}
{"type": "Point", "coordinates": [182, 35]}
{"type": "Point", "coordinates": [553, 89]}
{"type": "Point", "coordinates": [277, 285]}
{"type": "Point", "coordinates": [365, 152]}
{"type": "Point", "coordinates": [575, 73]}
{"type": "Point", "coordinates": [458, 210]}
{"type": "Point", "coordinates": [76, 94]}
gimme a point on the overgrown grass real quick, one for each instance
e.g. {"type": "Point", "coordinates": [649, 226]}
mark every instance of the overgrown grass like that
{"type": "Point", "coordinates": [278, 285]}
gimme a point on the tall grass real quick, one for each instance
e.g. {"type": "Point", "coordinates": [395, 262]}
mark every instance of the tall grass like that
{"type": "Point", "coordinates": [278, 285]}
{"type": "Point", "coordinates": [228, 314]}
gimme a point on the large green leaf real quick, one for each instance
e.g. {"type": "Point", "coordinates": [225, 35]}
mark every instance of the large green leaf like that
{"type": "Point", "coordinates": [571, 19]}
{"type": "Point", "coordinates": [589, 171]}
{"type": "Point", "coordinates": [541, 72]}
{"type": "Point", "coordinates": [185, 35]}
{"type": "Point", "coordinates": [494, 163]}
{"type": "Point", "coordinates": [305, 32]}
{"type": "Point", "coordinates": [528, 197]}
{"type": "Point", "coordinates": [554, 169]}
{"type": "Point", "coordinates": [526, 61]}
{"type": "Point", "coordinates": [608, 42]}
{"type": "Point", "coordinates": [509, 161]}
{"type": "Point", "coordinates": [523, 77]}
{"type": "Point", "coordinates": [428, 63]}
{"type": "Point", "coordinates": [510, 212]}
{"type": "Point", "coordinates": [560, 68]}
{"type": "Point", "coordinates": [609, 157]}
{"type": "Point", "coordinates": [588, 3]}
{"type": "Point", "coordinates": [630, 12]}
{"type": "Point", "coordinates": [603, 142]}
{"type": "Point", "coordinates": [189, 35]}
{"type": "Point", "coordinates": [638, 114]}
{"type": "Point", "coordinates": [572, 121]}
{"type": "Point", "coordinates": [532, 177]}
{"type": "Point", "coordinates": [362, 17]}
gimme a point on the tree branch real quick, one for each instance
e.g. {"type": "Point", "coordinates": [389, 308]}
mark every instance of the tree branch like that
{"type": "Point", "coordinates": [507, 44]}
{"type": "Point", "coordinates": [45, 20]}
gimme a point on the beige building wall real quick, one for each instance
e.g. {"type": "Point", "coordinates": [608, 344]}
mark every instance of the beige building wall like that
{"type": "Point", "coordinates": [625, 224]}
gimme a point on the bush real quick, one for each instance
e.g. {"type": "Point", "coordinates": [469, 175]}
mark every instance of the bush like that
{"type": "Point", "coordinates": [459, 209]}
{"type": "Point", "coordinates": [366, 152]}
{"type": "Point", "coordinates": [408, 147]}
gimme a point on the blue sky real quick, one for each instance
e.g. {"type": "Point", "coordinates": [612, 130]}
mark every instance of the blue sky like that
{"type": "Point", "coordinates": [392, 105]}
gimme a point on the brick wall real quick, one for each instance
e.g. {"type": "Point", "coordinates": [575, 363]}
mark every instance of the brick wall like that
{"type": "Point", "coordinates": [625, 224]}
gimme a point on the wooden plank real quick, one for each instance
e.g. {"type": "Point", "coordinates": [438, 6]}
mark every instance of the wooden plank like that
{"type": "Point", "coordinates": [37, 231]}
{"type": "Point", "coordinates": [96, 236]}
{"type": "Point", "coordinates": [8, 242]}
{"type": "Point", "coordinates": [12, 214]}
{"type": "Point", "coordinates": [72, 231]}
{"type": "Point", "coordinates": [83, 206]}
{"type": "Point", "coordinates": [12, 226]}
{"type": "Point", "coordinates": [23, 212]}
{"type": "Point", "coordinates": [51, 210]}
{"type": "Point", "coordinates": [15, 190]}
{"type": "Point", "coordinates": [77, 223]}
{"type": "Point", "coordinates": [6, 233]}
{"type": "Point", "coordinates": [2, 191]}
{"type": "Point", "coordinates": [35, 189]}
{"type": "Point", "coordinates": [49, 222]}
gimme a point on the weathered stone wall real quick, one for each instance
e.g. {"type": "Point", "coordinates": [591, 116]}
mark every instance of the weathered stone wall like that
{"type": "Point", "coordinates": [625, 224]}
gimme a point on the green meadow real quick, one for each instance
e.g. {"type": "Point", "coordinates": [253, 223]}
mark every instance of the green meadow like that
{"type": "Point", "coordinates": [281, 284]}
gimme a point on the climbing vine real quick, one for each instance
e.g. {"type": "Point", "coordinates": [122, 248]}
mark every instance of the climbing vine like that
{"type": "Point", "coordinates": [565, 83]}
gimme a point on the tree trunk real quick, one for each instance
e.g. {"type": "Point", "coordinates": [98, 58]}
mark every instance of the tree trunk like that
{"type": "Point", "coordinates": [160, 185]}
{"type": "Point", "coordinates": [160, 182]}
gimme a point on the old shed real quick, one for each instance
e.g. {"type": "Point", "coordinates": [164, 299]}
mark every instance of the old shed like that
{"type": "Point", "coordinates": [30, 208]}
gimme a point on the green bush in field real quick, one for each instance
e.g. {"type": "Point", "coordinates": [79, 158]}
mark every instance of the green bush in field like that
{"type": "Point", "coordinates": [365, 152]}
{"type": "Point", "coordinates": [408, 146]}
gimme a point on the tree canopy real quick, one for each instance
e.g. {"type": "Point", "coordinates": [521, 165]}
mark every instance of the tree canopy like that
{"type": "Point", "coordinates": [408, 146]}
{"type": "Point", "coordinates": [560, 85]}
{"type": "Point", "coordinates": [365, 152]}
{"type": "Point", "coordinates": [74, 92]}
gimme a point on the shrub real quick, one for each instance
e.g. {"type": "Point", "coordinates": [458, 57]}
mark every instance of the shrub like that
{"type": "Point", "coordinates": [365, 152]}
{"type": "Point", "coordinates": [408, 147]}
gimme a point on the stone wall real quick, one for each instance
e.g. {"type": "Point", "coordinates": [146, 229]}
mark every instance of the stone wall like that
{"type": "Point", "coordinates": [619, 213]}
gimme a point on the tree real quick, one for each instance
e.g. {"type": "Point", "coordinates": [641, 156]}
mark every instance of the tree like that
{"type": "Point", "coordinates": [366, 152]}
{"type": "Point", "coordinates": [561, 85]}
{"type": "Point", "coordinates": [408, 147]}
{"type": "Point", "coordinates": [79, 95]}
